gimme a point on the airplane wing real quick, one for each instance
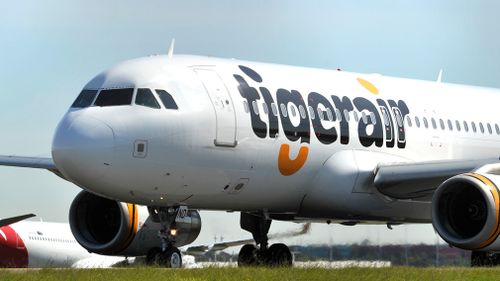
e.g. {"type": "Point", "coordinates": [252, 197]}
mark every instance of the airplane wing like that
{"type": "Point", "coordinates": [8, 221]}
{"type": "Point", "coordinates": [30, 162]}
{"type": "Point", "coordinates": [223, 245]}
{"type": "Point", "coordinates": [27, 162]}
{"type": "Point", "coordinates": [419, 180]}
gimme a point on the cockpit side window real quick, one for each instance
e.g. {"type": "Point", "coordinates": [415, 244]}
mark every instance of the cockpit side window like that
{"type": "Point", "coordinates": [167, 100]}
{"type": "Point", "coordinates": [84, 99]}
{"type": "Point", "coordinates": [114, 97]}
{"type": "Point", "coordinates": [145, 97]}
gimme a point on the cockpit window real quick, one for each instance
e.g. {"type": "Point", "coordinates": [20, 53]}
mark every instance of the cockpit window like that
{"type": "Point", "coordinates": [167, 100]}
{"type": "Point", "coordinates": [114, 97]}
{"type": "Point", "coordinates": [145, 97]}
{"type": "Point", "coordinates": [84, 99]}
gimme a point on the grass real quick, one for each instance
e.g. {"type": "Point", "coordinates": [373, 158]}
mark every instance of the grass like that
{"type": "Point", "coordinates": [261, 274]}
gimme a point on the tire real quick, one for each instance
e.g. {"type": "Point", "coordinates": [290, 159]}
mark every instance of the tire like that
{"type": "Point", "coordinates": [246, 257]}
{"type": "Point", "coordinates": [484, 259]}
{"type": "Point", "coordinates": [152, 256]}
{"type": "Point", "coordinates": [172, 258]}
{"type": "Point", "coordinates": [280, 255]}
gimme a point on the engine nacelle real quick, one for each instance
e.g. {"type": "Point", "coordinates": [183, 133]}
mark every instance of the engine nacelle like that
{"type": "Point", "coordinates": [108, 227]}
{"type": "Point", "coordinates": [466, 210]}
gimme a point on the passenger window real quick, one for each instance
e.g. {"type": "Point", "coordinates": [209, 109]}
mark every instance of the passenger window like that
{"type": "Point", "coordinates": [167, 100]}
{"type": "Point", "coordinates": [274, 109]}
{"type": "Point", "coordinates": [321, 114]}
{"type": "Point", "coordinates": [384, 114]}
{"type": "Point", "coordinates": [466, 126]}
{"type": "Point", "coordinates": [441, 123]}
{"type": "Point", "coordinates": [489, 128]}
{"type": "Point", "coordinates": [450, 125]}
{"type": "Point", "coordinates": [339, 115]}
{"type": "Point", "coordinates": [311, 112]}
{"type": "Point", "coordinates": [473, 125]}
{"type": "Point", "coordinates": [255, 108]}
{"type": "Point", "coordinates": [346, 115]}
{"type": "Point", "coordinates": [417, 122]}
{"type": "Point", "coordinates": [497, 129]}
{"type": "Point", "coordinates": [356, 117]}
{"type": "Point", "coordinates": [292, 111]}
{"type": "Point", "coordinates": [399, 118]}
{"type": "Point", "coordinates": [457, 124]}
{"type": "Point", "coordinates": [433, 123]}
{"type": "Point", "coordinates": [481, 127]}
{"type": "Point", "coordinates": [84, 99]}
{"type": "Point", "coordinates": [426, 124]}
{"type": "Point", "coordinates": [264, 108]}
{"type": "Point", "coordinates": [145, 97]}
{"type": "Point", "coordinates": [364, 117]}
{"type": "Point", "coordinates": [374, 120]}
{"type": "Point", "coordinates": [115, 97]}
{"type": "Point", "coordinates": [283, 110]}
{"type": "Point", "coordinates": [302, 112]}
{"type": "Point", "coordinates": [330, 114]}
{"type": "Point", "coordinates": [245, 106]}
{"type": "Point", "coordinates": [408, 120]}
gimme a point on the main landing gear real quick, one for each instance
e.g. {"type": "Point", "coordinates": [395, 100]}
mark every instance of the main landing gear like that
{"type": "Point", "coordinates": [167, 255]}
{"type": "Point", "coordinates": [251, 255]}
{"type": "Point", "coordinates": [484, 259]}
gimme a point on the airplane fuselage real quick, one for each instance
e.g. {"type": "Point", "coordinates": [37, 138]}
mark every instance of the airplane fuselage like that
{"type": "Point", "coordinates": [252, 136]}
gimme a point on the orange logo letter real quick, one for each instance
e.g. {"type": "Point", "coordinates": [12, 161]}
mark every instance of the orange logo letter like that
{"type": "Point", "coordinates": [289, 166]}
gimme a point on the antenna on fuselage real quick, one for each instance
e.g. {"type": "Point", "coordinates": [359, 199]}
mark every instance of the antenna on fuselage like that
{"type": "Point", "coordinates": [440, 76]}
{"type": "Point", "coordinates": [171, 49]}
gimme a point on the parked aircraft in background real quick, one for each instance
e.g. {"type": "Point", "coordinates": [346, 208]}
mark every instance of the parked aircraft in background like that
{"type": "Point", "coordinates": [45, 244]}
{"type": "Point", "coordinates": [274, 142]}
{"type": "Point", "coordinates": [40, 244]}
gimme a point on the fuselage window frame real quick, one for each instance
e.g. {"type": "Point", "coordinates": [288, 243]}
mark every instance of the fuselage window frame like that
{"type": "Point", "coordinates": [255, 107]}
{"type": "Point", "coordinates": [245, 106]}
{"type": "Point", "coordinates": [433, 121]}
{"type": "Point", "coordinates": [457, 125]}
{"type": "Point", "coordinates": [167, 99]}
{"type": "Point", "coordinates": [466, 126]}
{"type": "Point", "coordinates": [274, 109]}
{"type": "Point", "coordinates": [149, 96]}
{"type": "Point", "coordinates": [115, 97]}
{"type": "Point", "coordinates": [417, 121]}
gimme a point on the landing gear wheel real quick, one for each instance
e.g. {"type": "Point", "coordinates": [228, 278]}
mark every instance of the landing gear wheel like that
{"type": "Point", "coordinates": [246, 257]}
{"type": "Point", "coordinates": [484, 259]}
{"type": "Point", "coordinates": [152, 258]}
{"type": "Point", "coordinates": [279, 255]}
{"type": "Point", "coordinates": [173, 258]}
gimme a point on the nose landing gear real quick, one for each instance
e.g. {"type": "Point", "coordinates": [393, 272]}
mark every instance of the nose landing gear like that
{"type": "Point", "coordinates": [276, 255]}
{"type": "Point", "coordinates": [167, 255]}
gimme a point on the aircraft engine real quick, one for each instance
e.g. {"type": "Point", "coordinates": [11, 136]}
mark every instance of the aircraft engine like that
{"type": "Point", "coordinates": [466, 210]}
{"type": "Point", "coordinates": [108, 227]}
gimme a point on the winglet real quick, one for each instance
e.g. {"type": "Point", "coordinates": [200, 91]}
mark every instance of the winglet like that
{"type": "Point", "coordinates": [440, 76]}
{"type": "Point", "coordinates": [171, 49]}
{"type": "Point", "coordinates": [12, 220]}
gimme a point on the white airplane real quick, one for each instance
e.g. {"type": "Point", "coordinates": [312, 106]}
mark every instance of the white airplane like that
{"type": "Point", "coordinates": [275, 142]}
{"type": "Point", "coordinates": [38, 244]}
{"type": "Point", "coordinates": [45, 244]}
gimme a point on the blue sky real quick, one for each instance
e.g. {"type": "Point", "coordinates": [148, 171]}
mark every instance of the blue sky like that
{"type": "Point", "coordinates": [50, 49]}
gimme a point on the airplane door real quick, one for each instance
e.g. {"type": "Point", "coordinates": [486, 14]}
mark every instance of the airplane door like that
{"type": "Point", "coordinates": [223, 105]}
